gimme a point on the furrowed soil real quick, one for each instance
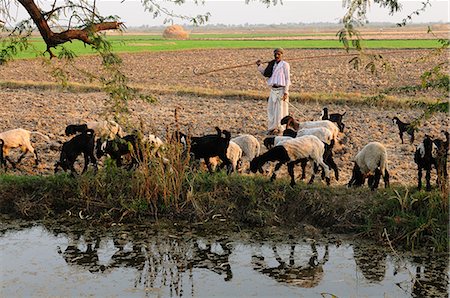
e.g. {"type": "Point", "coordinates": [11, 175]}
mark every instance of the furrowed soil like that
{"type": "Point", "coordinates": [49, 110]}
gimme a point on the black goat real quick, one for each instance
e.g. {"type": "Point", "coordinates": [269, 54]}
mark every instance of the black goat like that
{"type": "Point", "coordinates": [119, 147]}
{"type": "Point", "coordinates": [334, 117]}
{"type": "Point", "coordinates": [289, 132]}
{"type": "Point", "coordinates": [404, 127]}
{"type": "Point", "coordinates": [211, 146]}
{"type": "Point", "coordinates": [72, 129]}
{"type": "Point", "coordinates": [82, 143]}
{"type": "Point", "coordinates": [425, 158]}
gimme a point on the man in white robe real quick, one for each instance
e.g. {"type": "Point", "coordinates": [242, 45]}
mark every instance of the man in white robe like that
{"type": "Point", "coordinates": [279, 79]}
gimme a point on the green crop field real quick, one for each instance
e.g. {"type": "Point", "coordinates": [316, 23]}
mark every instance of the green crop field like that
{"type": "Point", "coordinates": [148, 43]}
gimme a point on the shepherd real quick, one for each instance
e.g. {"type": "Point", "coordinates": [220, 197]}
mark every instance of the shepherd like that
{"type": "Point", "coordinates": [279, 80]}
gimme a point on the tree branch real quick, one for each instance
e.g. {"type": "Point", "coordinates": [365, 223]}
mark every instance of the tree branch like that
{"type": "Point", "coordinates": [53, 39]}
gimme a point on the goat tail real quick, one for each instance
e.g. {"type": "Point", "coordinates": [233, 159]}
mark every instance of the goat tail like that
{"type": "Point", "coordinates": [41, 134]}
{"type": "Point", "coordinates": [345, 112]}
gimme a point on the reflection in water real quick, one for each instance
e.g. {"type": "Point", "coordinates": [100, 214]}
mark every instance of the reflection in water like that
{"type": "Point", "coordinates": [431, 279]}
{"type": "Point", "coordinates": [159, 260]}
{"type": "Point", "coordinates": [302, 275]}
{"type": "Point", "coordinates": [371, 260]}
{"type": "Point", "coordinates": [171, 263]}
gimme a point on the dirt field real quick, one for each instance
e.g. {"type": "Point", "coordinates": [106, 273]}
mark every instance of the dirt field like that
{"type": "Point", "coordinates": [49, 111]}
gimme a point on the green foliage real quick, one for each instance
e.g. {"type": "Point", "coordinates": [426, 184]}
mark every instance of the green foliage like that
{"type": "Point", "coordinates": [415, 218]}
{"type": "Point", "coordinates": [12, 46]}
{"type": "Point", "coordinates": [436, 78]}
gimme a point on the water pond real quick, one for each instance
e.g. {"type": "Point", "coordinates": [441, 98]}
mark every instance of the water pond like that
{"type": "Point", "coordinates": [54, 260]}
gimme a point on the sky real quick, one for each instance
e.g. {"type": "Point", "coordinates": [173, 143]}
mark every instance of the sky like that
{"type": "Point", "coordinates": [236, 12]}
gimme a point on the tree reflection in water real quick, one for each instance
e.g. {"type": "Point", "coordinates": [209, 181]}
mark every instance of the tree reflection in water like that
{"type": "Point", "coordinates": [160, 260]}
{"type": "Point", "coordinates": [370, 260]}
{"type": "Point", "coordinates": [302, 275]}
{"type": "Point", "coordinates": [165, 260]}
{"type": "Point", "coordinates": [432, 276]}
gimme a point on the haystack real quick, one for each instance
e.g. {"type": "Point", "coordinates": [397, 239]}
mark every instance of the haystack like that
{"type": "Point", "coordinates": [175, 32]}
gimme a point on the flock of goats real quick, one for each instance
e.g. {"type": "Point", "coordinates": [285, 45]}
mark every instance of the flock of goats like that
{"type": "Point", "coordinates": [301, 142]}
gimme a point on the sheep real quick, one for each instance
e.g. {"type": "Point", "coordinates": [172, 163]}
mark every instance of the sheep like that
{"type": "Point", "coordinates": [404, 127]}
{"type": "Point", "coordinates": [210, 146]}
{"type": "Point", "coordinates": [371, 162]}
{"type": "Point", "coordinates": [270, 142]}
{"type": "Point", "coordinates": [289, 121]}
{"type": "Point", "coordinates": [80, 144]}
{"type": "Point", "coordinates": [335, 117]}
{"type": "Point", "coordinates": [234, 154]}
{"type": "Point", "coordinates": [292, 152]}
{"type": "Point", "coordinates": [154, 142]}
{"type": "Point", "coordinates": [16, 138]}
{"type": "Point", "coordinates": [324, 134]}
{"type": "Point", "coordinates": [118, 147]}
{"type": "Point", "coordinates": [249, 144]}
{"type": "Point", "coordinates": [103, 129]}
{"type": "Point", "coordinates": [425, 158]}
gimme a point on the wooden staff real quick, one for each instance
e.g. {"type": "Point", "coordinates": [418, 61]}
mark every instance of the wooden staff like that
{"type": "Point", "coordinates": [225, 68]}
{"type": "Point", "coordinates": [295, 59]}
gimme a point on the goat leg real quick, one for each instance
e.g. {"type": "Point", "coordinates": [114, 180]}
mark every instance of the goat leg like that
{"type": "Point", "coordinates": [13, 164]}
{"type": "Point", "coordinates": [428, 178]}
{"type": "Point", "coordinates": [86, 162]}
{"type": "Point", "coordinates": [419, 178]}
{"type": "Point", "coordinates": [303, 165]}
{"type": "Point", "coordinates": [386, 179]}
{"type": "Point", "coordinates": [277, 167]}
{"type": "Point", "coordinates": [330, 162]}
{"type": "Point", "coordinates": [376, 180]}
{"type": "Point", "coordinates": [291, 172]}
{"type": "Point", "coordinates": [21, 157]}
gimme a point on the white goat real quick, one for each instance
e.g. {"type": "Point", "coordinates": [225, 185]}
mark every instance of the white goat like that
{"type": "Point", "coordinates": [322, 123]}
{"type": "Point", "coordinates": [250, 146]}
{"type": "Point", "coordinates": [323, 133]}
{"type": "Point", "coordinates": [371, 162]}
{"type": "Point", "coordinates": [16, 138]}
{"type": "Point", "coordinates": [234, 154]}
{"type": "Point", "coordinates": [106, 129]}
{"type": "Point", "coordinates": [292, 152]}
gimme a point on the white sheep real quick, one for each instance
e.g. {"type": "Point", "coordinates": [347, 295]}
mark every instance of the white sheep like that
{"type": "Point", "coordinates": [106, 129]}
{"type": "Point", "coordinates": [323, 133]}
{"type": "Point", "coordinates": [19, 138]}
{"type": "Point", "coordinates": [154, 142]}
{"type": "Point", "coordinates": [250, 146]}
{"type": "Point", "coordinates": [322, 123]}
{"type": "Point", "coordinates": [234, 154]}
{"type": "Point", "coordinates": [292, 152]}
{"type": "Point", "coordinates": [371, 162]}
